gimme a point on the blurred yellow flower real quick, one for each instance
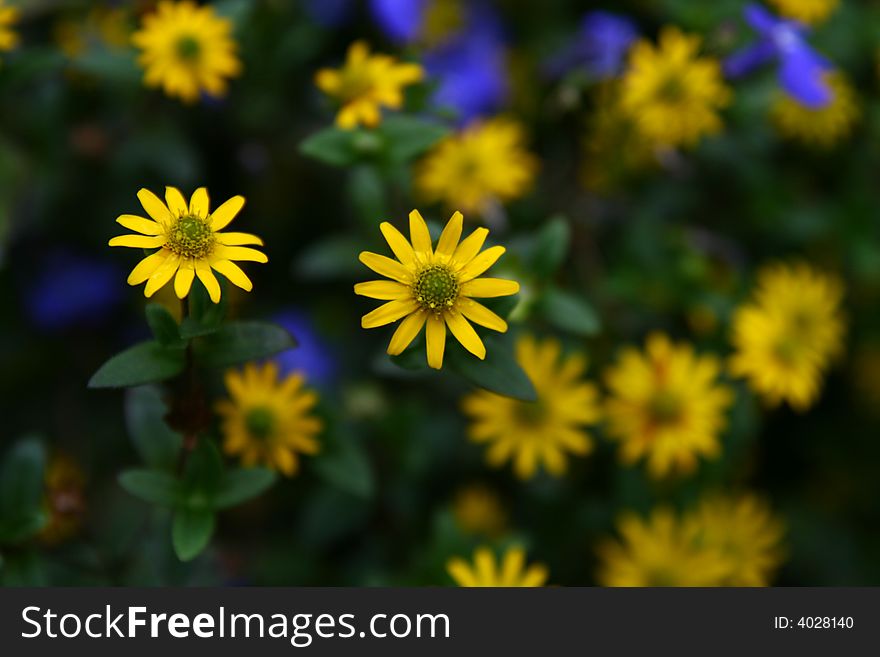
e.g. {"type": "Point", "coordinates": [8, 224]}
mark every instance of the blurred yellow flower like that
{"type": "Point", "coordinates": [434, 288]}
{"type": "Point", "coordinates": [189, 243]}
{"type": "Point", "coordinates": [268, 421]}
{"type": "Point", "coordinates": [64, 501]}
{"type": "Point", "coordinates": [484, 164]}
{"type": "Point", "coordinates": [658, 551]}
{"type": "Point", "coordinates": [105, 25]}
{"type": "Point", "coordinates": [8, 18]}
{"type": "Point", "coordinates": [823, 127]}
{"type": "Point", "coordinates": [746, 534]}
{"type": "Point", "coordinates": [806, 11]}
{"type": "Point", "coordinates": [671, 93]}
{"type": "Point", "coordinates": [786, 336]}
{"type": "Point", "coordinates": [478, 510]}
{"type": "Point", "coordinates": [666, 405]}
{"type": "Point", "coordinates": [365, 84]}
{"type": "Point", "coordinates": [532, 434]}
{"type": "Point", "coordinates": [187, 49]}
{"type": "Point", "coordinates": [486, 571]}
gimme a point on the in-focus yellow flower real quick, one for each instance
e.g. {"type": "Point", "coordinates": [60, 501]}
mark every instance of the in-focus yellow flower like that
{"type": "Point", "coordinates": [746, 534]}
{"type": "Point", "coordinates": [671, 93]}
{"type": "Point", "coordinates": [187, 49]}
{"type": "Point", "coordinates": [434, 288]}
{"type": "Point", "coordinates": [823, 127]}
{"type": "Point", "coordinates": [8, 18]}
{"type": "Point", "coordinates": [477, 510]}
{"type": "Point", "coordinates": [659, 551]}
{"type": "Point", "coordinates": [805, 11]}
{"type": "Point", "coordinates": [787, 335]}
{"type": "Point", "coordinates": [484, 164]}
{"type": "Point", "coordinates": [64, 502]}
{"type": "Point", "coordinates": [268, 421]}
{"type": "Point", "coordinates": [189, 243]}
{"type": "Point", "coordinates": [365, 84]}
{"type": "Point", "coordinates": [486, 571]}
{"type": "Point", "coordinates": [531, 434]}
{"type": "Point", "coordinates": [666, 405]}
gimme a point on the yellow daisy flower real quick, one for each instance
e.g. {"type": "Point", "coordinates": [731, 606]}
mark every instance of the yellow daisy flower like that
{"type": "Point", "coordinates": [484, 164]}
{"type": "Point", "coordinates": [786, 336]}
{"type": "Point", "coordinates": [365, 84]}
{"type": "Point", "coordinates": [187, 49]}
{"type": "Point", "coordinates": [537, 433]}
{"type": "Point", "coordinates": [659, 551]}
{"type": "Point", "coordinates": [671, 93]}
{"type": "Point", "coordinates": [477, 510]}
{"type": "Point", "coordinates": [268, 421]}
{"type": "Point", "coordinates": [806, 11]}
{"type": "Point", "coordinates": [8, 18]}
{"type": "Point", "coordinates": [486, 571]}
{"type": "Point", "coordinates": [434, 288]}
{"type": "Point", "coordinates": [746, 534]}
{"type": "Point", "coordinates": [189, 243]}
{"type": "Point", "coordinates": [666, 405]}
{"type": "Point", "coordinates": [823, 127]}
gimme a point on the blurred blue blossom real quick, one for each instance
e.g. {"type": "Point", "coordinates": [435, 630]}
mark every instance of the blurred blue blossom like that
{"type": "Point", "coordinates": [400, 20]}
{"type": "Point", "coordinates": [801, 69]}
{"type": "Point", "coordinates": [312, 356]}
{"type": "Point", "coordinates": [601, 46]}
{"type": "Point", "coordinates": [71, 290]}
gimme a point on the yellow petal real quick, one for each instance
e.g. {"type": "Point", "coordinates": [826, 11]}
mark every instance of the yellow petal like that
{"type": "Point", "coordinates": [536, 575]}
{"type": "Point", "coordinates": [512, 566]}
{"type": "Point", "coordinates": [389, 312]}
{"type": "Point", "coordinates": [486, 288]}
{"type": "Point", "coordinates": [479, 314]}
{"type": "Point", "coordinates": [233, 274]}
{"type": "Point", "coordinates": [484, 564]}
{"type": "Point", "coordinates": [138, 241]}
{"type": "Point", "coordinates": [450, 236]}
{"type": "Point", "coordinates": [385, 266]}
{"type": "Point", "coordinates": [385, 290]}
{"type": "Point", "coordinates": [176, 202]}
{"type": "Point", "coordinates": [147, 267]}
{"type": "Point", "coordinates": [199, 203]}
{"type": "Point", "coordinates": [461, 572]}
{"type": "Point", "coordinates": [465, 334]}
{"type": "Point", "coordinates": [420, 236]}
{"type": "Point", "coordinates": [481, 263]}
{"type": "Point", "coordinates": [221, 217]}
{"type": "Point", "coordinates": [154, 207]}
{"type": "Point", "coordinates": [223, 252]}
{"type": "Point", "coordinates": [238, 239]}
{"type": "Point", "coordinates": [401, 248]}
{"type": "Point", "coordinates": [470, 246]}
{"type": "Point", "coordinates": [139, 224]}
{"type": "Point", "coordinates": [206, 276]}
{"type": "Point", "coordinates": [435, 336]}
{"type": "Point", "coordinates": [406, 332]}
{"type": "Point", "coordinates": [162, 274]}
{"type": "Point", "coordinates": [183, 280]}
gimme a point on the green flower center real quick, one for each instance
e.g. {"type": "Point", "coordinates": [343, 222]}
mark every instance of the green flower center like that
{"type": "Point", "coordinates": [260, 422]}
{"type": "Point", "coordinates": [191, 237]}
{"type": "Point", "coordinates": [671, 90]}
{"type": "Point", "coordinates": [665, 407]}
{"type": "Point", "coordinates": [531, 414]}
{"type": "Point", "coordinates": [436, 287]}
{"type": "Point", "coordinates": [188, 48]}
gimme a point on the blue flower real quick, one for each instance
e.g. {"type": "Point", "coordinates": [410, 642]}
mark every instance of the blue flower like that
{"type": "Point", "coordinates": [801, 69]}
{"type": "Point", "coordinates": [400, 20]}
{"type": "Point", "coordinates": [601, 46]}
{"type": "Point", "coordinates": [71, 290]}
{"type": "Point", "coordinates": [311, 355]}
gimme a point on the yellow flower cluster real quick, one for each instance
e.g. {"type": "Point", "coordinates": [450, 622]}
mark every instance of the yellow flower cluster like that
{"type": "Point", "coordinates": [806, 11]}
{"type": "Point", "coordinates": [487, 571]}
{"type": "Point", "coordinates": [821, 127]}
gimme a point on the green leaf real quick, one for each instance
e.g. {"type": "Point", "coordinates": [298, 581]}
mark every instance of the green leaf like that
{"type": "Point", "coordinates": [550, 247]}
{"type": "Point", "coordinates": [153, 486]}
{"type": "Point", "coordinates": [203, 312]}
{"type": "Point", "coordinates": [345, 465]}
{"type": "Point", "coordinates": [334, 257]}
{"type": "Point", "coordinates": [240, 485]}
{"type": "Point", "coordinates": [499, 372]}
{"type": "Point", "coordinates": [408, 136]}
{"type": "Point", "coordinates": [21, 490]}
{"type": "Point", "coordinates": [367, 192]}
{"type": "Point", "coordinates": [157, 444]}
{"type": "Point", "coordinates": [190, 328]}
{"type": "Point", "coordinates": [239, 342]}
{"type": "Point", "coordinates": [203, 476]}
{"type": "Point", "coordinates": [163, 326]}
{"type": "Point", "coordinates": [191, 532]}
{"type": "Point", "coordinates": [146, 362]}
{"type": "Point", "coordinates": [569, 312]}
{"type": "Point", "coordinates": [332, 146]}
